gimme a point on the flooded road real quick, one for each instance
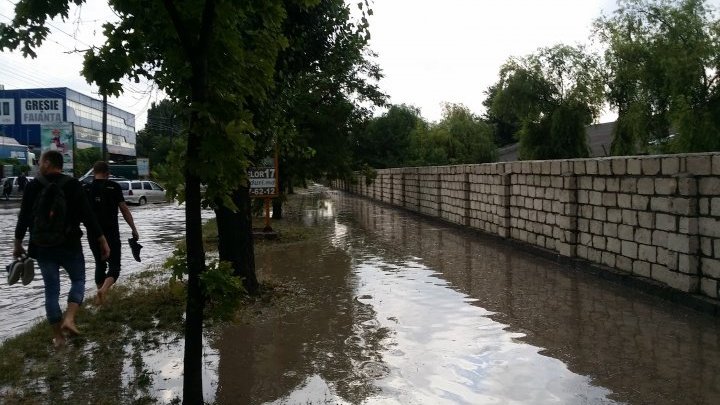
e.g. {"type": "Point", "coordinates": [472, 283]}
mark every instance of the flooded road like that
{"type": "Point", "coordinates": [396, 309]}
{"type": "Point", "coordinates": [159, 226]}
{"type": "Point", "coordinates": [400, 310]}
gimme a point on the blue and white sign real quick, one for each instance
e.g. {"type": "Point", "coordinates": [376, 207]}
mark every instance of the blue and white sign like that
{"type": "Point", "coordinates": [41, 110]}
{"type": "Point", "coordinates": [143, 166]}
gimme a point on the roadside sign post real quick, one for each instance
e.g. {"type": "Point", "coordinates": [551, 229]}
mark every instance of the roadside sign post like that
{"type": "Point", "coordinates": [264, 184]}
{"type": "Point", "coordinates": [267, 227]}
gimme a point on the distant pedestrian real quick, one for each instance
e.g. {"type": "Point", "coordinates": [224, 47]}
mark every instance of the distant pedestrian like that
{"type": "Point", "coordinates": [106, 198]}
{"type": "Point", "coordinates": [22, 181]}
{"type": "Point", "coordinates": [52, 208]}
{"type": "Point", "coordinates": [7, 188]}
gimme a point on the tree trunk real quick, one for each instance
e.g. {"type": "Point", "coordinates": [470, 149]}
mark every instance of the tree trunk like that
{"type": "Point", "coordinates": [192, 374]}
{"type": "Point", "coordinates": [235, 238]}
{"type": "Point", "coordinates": [192, 364]}
{"type": "Point", "coordinates": [277, 202]}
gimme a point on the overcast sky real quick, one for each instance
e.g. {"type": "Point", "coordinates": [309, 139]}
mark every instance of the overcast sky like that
{"type": "Point", "coordinates": [450, 51]}
{"type": "Point", "coordinates": [431, 51]}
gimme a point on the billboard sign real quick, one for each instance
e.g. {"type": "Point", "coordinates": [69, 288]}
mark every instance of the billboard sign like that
{"type": "Point", "coordinates": [41, 110]}
{"type": "Point", "coordinates": [264, 179]}
{"type": "Point", "coordinates": [143, 166]}
{"type": "Point", "coordinates": [59, 137]}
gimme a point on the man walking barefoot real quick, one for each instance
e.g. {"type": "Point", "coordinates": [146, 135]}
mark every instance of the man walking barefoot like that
{"type": "Point", "coordinates": [52, 207]}
{"type": "Point", "coordinates": [106, 198]}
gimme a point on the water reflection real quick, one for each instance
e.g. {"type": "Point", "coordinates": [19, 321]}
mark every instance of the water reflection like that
{"type": "Point", "coordinates": [401, 310]}
{"type": "Point", "coordinates": [162, 370]}
{"type": "Point", "coordinates": [322, 349]}
{"type": "Point", "coordinates": [643, 349]}
{"type": "Point", "coordinates": [450, 352]}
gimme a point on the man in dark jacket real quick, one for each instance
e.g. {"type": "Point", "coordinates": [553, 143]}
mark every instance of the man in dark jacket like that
{"type": "Point", "coordinates": [65, 251]}
{"type": "Point", "coordinates": [22, 181]}
{"type": "Point", "coordinates": [7, 188]}
{"type": "Point", "coordinates": [106, 198]}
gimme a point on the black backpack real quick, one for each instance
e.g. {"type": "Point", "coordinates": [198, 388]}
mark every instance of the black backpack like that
{"type": "Point", "coordinates": [96, 197]}
{"type": "Point", "coordinates": [50, 222]}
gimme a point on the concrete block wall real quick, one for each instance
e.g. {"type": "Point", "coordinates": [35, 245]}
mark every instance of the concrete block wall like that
{"type": "Point", "coordinates": [708, 221]}
{"type": "Point", "coordinates": [489, 196]}
{"type": "Point", "coordinates": [535, 207]}
{"type": "Point", "coordinates": [429, 190]}
{"type": "Point", "coordinates": [454, 201]}
{"type": "Point", "coordinates": [639, 215]}
{"type": "Point", "coordinates": [411, 189]}
{"type": "Point", "coordinates": [654, 217]}
{"type": "Point", "coordinates": [376, 189]}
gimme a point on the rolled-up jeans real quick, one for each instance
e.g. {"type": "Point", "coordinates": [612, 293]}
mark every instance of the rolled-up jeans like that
{"type": "Point", "coordinates": [50, 259]}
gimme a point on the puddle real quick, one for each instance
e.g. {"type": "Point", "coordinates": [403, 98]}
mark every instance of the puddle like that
{"type": "Point", "coordinates": [158, 372]}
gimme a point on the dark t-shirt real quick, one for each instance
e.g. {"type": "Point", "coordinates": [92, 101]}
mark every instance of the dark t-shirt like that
{"type": "Point", "coordinates": [22, 182]}
{"type": "Point", "coordinates": [105, 197]}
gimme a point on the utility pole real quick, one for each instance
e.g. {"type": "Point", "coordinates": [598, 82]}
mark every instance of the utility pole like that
{"type": "Point", "coordinates": [104, 129]}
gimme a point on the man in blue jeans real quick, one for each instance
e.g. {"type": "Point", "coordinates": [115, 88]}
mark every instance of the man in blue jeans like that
{"type": "Point", "coordinates": [68, 252]}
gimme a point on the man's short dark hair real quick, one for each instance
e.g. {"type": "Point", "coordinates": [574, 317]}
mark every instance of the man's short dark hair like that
{"type": "Point", "coordinates": [53, 157]}
{"type": "Point", "coordinates": [101, 167]}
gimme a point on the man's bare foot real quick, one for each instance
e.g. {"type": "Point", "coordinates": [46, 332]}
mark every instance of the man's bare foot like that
{"type": "Point", "coordinates": [69, 327]}
{"type": "Point", "coordinates": [58, 342]}
{"type": "Point", "coordinates": [100, 297]}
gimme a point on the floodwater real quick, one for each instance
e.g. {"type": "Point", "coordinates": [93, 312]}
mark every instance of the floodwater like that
{"type": "Point", "coordinates": [159, 226]}
{"type": "Point", "coordinates": [401, 310]}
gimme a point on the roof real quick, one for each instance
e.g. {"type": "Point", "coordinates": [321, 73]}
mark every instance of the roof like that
{"type": "Point", "coordinates": [6, 140]}
{"type": "Point", "coordinates": [599, 139]}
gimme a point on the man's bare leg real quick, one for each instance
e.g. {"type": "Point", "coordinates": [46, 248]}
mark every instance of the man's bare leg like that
{"type": "Point", "coordinates": [68, 323]}
{"type": "Point", "coordinates": [98, 298]}
{"type": "Point", "coordinates": [102, 291]}
{"type": "Point", "coordinates": [58, 338]}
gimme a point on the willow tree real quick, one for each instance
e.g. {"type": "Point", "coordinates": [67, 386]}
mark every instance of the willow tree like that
{"type": "Point", "coordinates": [386, 140]}
{"type": "Point", "coordinates": [209, 56]}
{"type": "Point", "coordinates": [554, 93]}
{"type": "Point", "coordinates": [325, 82]}
{"type": "Point", "coordinates": [663, 59]}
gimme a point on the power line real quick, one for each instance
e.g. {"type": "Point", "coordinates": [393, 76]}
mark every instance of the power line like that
{"type": "Point", "coordinates": [48, 23]}
{"type": "Point", "coordinates": [147, 95]}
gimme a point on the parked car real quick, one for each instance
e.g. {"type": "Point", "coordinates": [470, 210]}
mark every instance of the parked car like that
{"type": "Point", "coordinates": [142, 191]}
{"type": "Point", "coordinates": [14, 192]}
{"type": "Point", "coordinates": [88, 179]}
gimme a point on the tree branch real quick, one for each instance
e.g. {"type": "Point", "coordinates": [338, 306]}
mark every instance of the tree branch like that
{"type": "Point", "coordinates": [208, 20]}
{"type": "Point", "coordinates": [180, 29]}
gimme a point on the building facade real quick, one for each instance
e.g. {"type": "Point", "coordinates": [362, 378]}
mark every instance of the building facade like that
{"type": "Point", "coordinates": [22, 111]}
